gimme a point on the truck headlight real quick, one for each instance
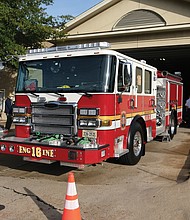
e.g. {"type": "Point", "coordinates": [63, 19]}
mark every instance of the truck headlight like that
{"type": "Point", "coordinates": [19, 110]}
{"type": "Point", "coordinates": [20, 119]}
{"type": "Point", "coordinates": [83, 123]}
{"type": "Point", "coordinates": [88, 112]}
{"type": "Point", "coordinates": [21, 115]}
{"type": "Point", "coordinates": [95, 123]}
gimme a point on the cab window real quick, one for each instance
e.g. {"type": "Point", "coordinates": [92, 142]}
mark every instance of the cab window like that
{"type": "Point", "coordinates": [139, 79]}
{"type": "Point", "coordinates": [124, 77]}
{"type": "Point", "coordinates": [147, 82]}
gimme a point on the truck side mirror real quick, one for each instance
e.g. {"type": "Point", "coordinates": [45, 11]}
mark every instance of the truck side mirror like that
{"type": "Point", "coordinates": [124, 77]}
{"type": "Point", "coordinates": [127, 75]}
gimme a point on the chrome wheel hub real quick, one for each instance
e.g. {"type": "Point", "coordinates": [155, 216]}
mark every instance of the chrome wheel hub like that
{"type": "Point", "coordinates": [137, 143]}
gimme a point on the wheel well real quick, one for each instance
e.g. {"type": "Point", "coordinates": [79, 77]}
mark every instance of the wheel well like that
{"type": "Point", "coordinates": [141, 121]}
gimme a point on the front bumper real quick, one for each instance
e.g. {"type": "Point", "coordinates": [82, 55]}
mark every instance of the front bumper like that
{"type": "Point", "coordinates": [73, 156]}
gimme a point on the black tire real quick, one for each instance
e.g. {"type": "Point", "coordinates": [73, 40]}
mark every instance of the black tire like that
{"type": "Point", "coordinates": [135, 146]}
{"type": "Point", "coordinates": [173, 125]}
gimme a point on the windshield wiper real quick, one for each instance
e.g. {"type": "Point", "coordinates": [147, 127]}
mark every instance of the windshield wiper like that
{"type": "Point", "coordinates": [74, 89]}
{"type": "Point", "coordinates": [34, 94]}
{"type": "Point", "coordinates": [86, 93]}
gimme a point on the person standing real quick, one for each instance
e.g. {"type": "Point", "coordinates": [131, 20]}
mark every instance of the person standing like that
{"type": "Point", "coordinates": [9, 112]}
{"type": "Point", "coordinates": [187, 104]}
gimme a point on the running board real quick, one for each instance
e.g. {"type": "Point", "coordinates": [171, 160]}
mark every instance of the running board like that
{"type": "Point", "coordinates": [38, 161]}
{"type": "Point", "coordinates": [164, 137]}
{"type": "Point", "coordinates": [121, 152]}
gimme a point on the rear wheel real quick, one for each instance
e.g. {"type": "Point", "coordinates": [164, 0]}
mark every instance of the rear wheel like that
{"type": "Point", "coordinates": [135, 146]}
{"type": "Point", "coordinates": [173, 125]}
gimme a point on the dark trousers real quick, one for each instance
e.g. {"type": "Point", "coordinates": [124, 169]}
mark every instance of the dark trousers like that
{"type": "Point", "coordinates": [9, 122]}
{"type": "Point", "coordinates": [188, 117]}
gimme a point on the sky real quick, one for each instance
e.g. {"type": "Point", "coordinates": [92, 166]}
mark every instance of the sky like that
{"type": "Point", "coordinates": [70, 7]}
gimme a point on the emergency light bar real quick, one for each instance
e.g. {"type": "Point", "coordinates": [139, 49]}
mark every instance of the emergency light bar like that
{"type": "Point", "coordinates": [100, 45]}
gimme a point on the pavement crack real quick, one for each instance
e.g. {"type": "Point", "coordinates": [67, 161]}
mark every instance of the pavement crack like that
{"type": "Point", "coordinates": [33, 196]}
{"type": "Point", "coordinates": [154, 174]}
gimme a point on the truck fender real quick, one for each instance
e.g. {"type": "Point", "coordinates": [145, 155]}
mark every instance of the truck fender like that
{"type": "Point", "coordinates": [140, 120]}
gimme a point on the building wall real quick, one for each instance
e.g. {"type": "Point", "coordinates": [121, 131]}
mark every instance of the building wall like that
{"type": "Point", "coordinates": [98, 25]}
{"type": "Point", "coordinates": [7, 85]}
{"type": "Point", "coordinates": [174, 12]}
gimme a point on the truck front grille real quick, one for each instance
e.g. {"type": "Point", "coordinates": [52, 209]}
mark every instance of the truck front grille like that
{"type": "Point", "coordinates": [54, 118]}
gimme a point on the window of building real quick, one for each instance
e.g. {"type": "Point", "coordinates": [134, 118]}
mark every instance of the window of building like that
{"type": "Point", "coordinates": [139, 19]}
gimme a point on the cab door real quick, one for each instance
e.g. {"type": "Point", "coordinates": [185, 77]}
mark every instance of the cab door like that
{"type": "Point", "coordinates": [123, 108]}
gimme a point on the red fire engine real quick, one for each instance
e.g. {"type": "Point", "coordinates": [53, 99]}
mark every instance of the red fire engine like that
{"type": "Point", "coordinates": [82, 104]}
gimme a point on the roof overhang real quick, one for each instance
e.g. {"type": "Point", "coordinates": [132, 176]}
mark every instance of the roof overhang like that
{"type": "Point", "coordinates": [130, 32]}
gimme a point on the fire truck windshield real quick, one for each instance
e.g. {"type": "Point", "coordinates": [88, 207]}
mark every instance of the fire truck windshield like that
{"type": "Point", "coordinates": [95, 73]}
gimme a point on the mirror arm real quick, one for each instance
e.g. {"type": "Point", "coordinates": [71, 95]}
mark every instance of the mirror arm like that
{"type": "Point", "coordinates": [119, 100]}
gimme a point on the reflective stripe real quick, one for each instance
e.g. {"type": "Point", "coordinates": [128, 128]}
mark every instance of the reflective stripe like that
{"type": "Point", "coordinates": [117, 124]}
{"type": "Point", "coordinates": [71, 205]}
{"type": "Point", "coordinates": [71, 189]}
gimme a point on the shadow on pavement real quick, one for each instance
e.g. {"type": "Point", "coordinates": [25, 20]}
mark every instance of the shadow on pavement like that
{"type": "Point", "coordinates": [184, 174]}
{"type": "Point", "coordinates": [48, 210]}
{"type": "Point", "coordinates": [2, 207]}
{"type": "Point", "coordinates": [17, 163]}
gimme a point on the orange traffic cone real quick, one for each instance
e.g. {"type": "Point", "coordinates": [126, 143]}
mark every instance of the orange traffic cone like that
{"type": "Point", "coordinates": [71, 210]}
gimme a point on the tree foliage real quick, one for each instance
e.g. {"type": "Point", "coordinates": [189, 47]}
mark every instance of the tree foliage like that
{"type": "Point", "coordinates": [25, 24]}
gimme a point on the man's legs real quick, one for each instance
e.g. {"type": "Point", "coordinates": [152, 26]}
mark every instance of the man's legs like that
{"type": "Point", "coordinates": [188, 118]}
{"type": "Point", "coordinates": [8, 122]}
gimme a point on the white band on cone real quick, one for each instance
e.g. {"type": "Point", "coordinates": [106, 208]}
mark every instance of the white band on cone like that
{"type": "Point", "coordinates": [71, 189]}
{"type": "Point", "coordinates": [71, 205]}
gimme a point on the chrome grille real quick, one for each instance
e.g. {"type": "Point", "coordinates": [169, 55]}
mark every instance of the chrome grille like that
{"type": "Point", "coordinates": [54, 118]}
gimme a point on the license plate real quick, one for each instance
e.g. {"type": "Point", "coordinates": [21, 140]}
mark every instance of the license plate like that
{"type": "Point", "coordinates": [89, 134]}
{"type": "Point", "coordinates": [55, 142]}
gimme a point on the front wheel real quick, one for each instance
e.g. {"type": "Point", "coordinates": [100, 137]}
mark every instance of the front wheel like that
{"type": "Point", "coordinates": [135, 146]}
